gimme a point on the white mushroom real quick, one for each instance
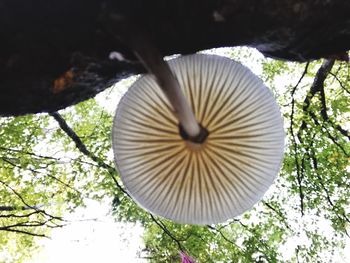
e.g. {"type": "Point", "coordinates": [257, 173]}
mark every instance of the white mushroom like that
{"type": "Point", "coordinates": [203, 182]}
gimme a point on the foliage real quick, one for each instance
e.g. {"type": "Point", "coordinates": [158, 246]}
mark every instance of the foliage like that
{"type": "Point", "coordinates": [50, 163]}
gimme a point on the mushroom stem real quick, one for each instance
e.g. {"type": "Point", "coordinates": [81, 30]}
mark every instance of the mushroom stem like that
{"type": "Point", "coordinates": [155, 64]}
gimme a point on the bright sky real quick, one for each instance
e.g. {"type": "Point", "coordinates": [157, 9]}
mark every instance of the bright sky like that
{"type": "Point", "coordinates": [93, 236]}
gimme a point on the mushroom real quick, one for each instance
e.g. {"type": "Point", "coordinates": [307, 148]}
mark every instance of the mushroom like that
{"type": "Point", "coordinates": [207, 180]}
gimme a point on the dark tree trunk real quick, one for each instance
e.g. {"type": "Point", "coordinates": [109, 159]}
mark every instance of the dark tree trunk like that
{"type": "Point", "coordinates": [56, 53]}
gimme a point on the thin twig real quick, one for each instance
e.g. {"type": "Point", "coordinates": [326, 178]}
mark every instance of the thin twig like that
{"type": "Point", "coordinates": [225, 238]}
{"type": "Point", "coordinates": [281, 216]}
{"type": "Point", "coordinates": [22, 232]}
{"type": "Point", "coordinates": [340, 83]}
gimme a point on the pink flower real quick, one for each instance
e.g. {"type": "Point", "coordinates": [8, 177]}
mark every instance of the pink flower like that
{"type": "Point", "coordinates": [185, 258]}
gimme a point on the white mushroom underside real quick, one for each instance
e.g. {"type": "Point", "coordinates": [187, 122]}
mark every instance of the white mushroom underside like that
{"type": "Point", "coordinates": [200, 183]}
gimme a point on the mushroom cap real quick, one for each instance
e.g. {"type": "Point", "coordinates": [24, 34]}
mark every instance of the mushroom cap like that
{"type": "Point", "coordinates": [199, 183]}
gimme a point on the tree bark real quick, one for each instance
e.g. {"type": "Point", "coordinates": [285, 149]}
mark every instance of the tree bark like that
{"type": "Point", "coordinates": [54, 54]}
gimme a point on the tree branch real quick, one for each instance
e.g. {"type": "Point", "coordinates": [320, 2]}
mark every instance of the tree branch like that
{"type": "Point", "coordinates": [225, 238]}
{"type": "Point", "coordinates": [326, 117]}
{"type": "Point", "coordinates": [299, 174]}
{"type": "Point", "coordinates": [23, 232]}
{"type": "Point", "coordinates": [29, 153]}
{"type": "Point", "coordinates": [330, 136]}
{"type": "Point", "coordinates": [279, 213]}
{"type": "Point", "coordinates": [83, 149]}
{"type": "Point", "coordinates": [318, 86]}
{"type": "Point", "coordinates": [5, 159]}
{"type": "Point", "coordinates": [340, 83]}
{"type": "Point", "coordinates": [343, 217]}
{"type": "Point", "coordinates": [318, 82]}
{"type": "Point", "coordinates": [25, 220]}
{"type": "Point", "coordinates": [166, 231]}
{"type": "Point", "coordinates": [30, 206]}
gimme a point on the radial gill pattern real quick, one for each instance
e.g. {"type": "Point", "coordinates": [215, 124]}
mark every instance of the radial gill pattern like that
{"type": "Point", "coordinates": [199, 183]}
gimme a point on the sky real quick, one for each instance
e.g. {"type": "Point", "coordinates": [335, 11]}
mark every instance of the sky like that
{"type": "Point", "coordinates": [92, 236]}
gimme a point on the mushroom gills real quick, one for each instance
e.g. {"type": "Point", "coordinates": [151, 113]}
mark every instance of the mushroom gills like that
{"type": "Point", "coordinates": [211, 180]}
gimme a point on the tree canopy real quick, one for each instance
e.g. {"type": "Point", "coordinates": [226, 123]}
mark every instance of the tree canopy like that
{"type": "Point", "coordinates": [50, 163]}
